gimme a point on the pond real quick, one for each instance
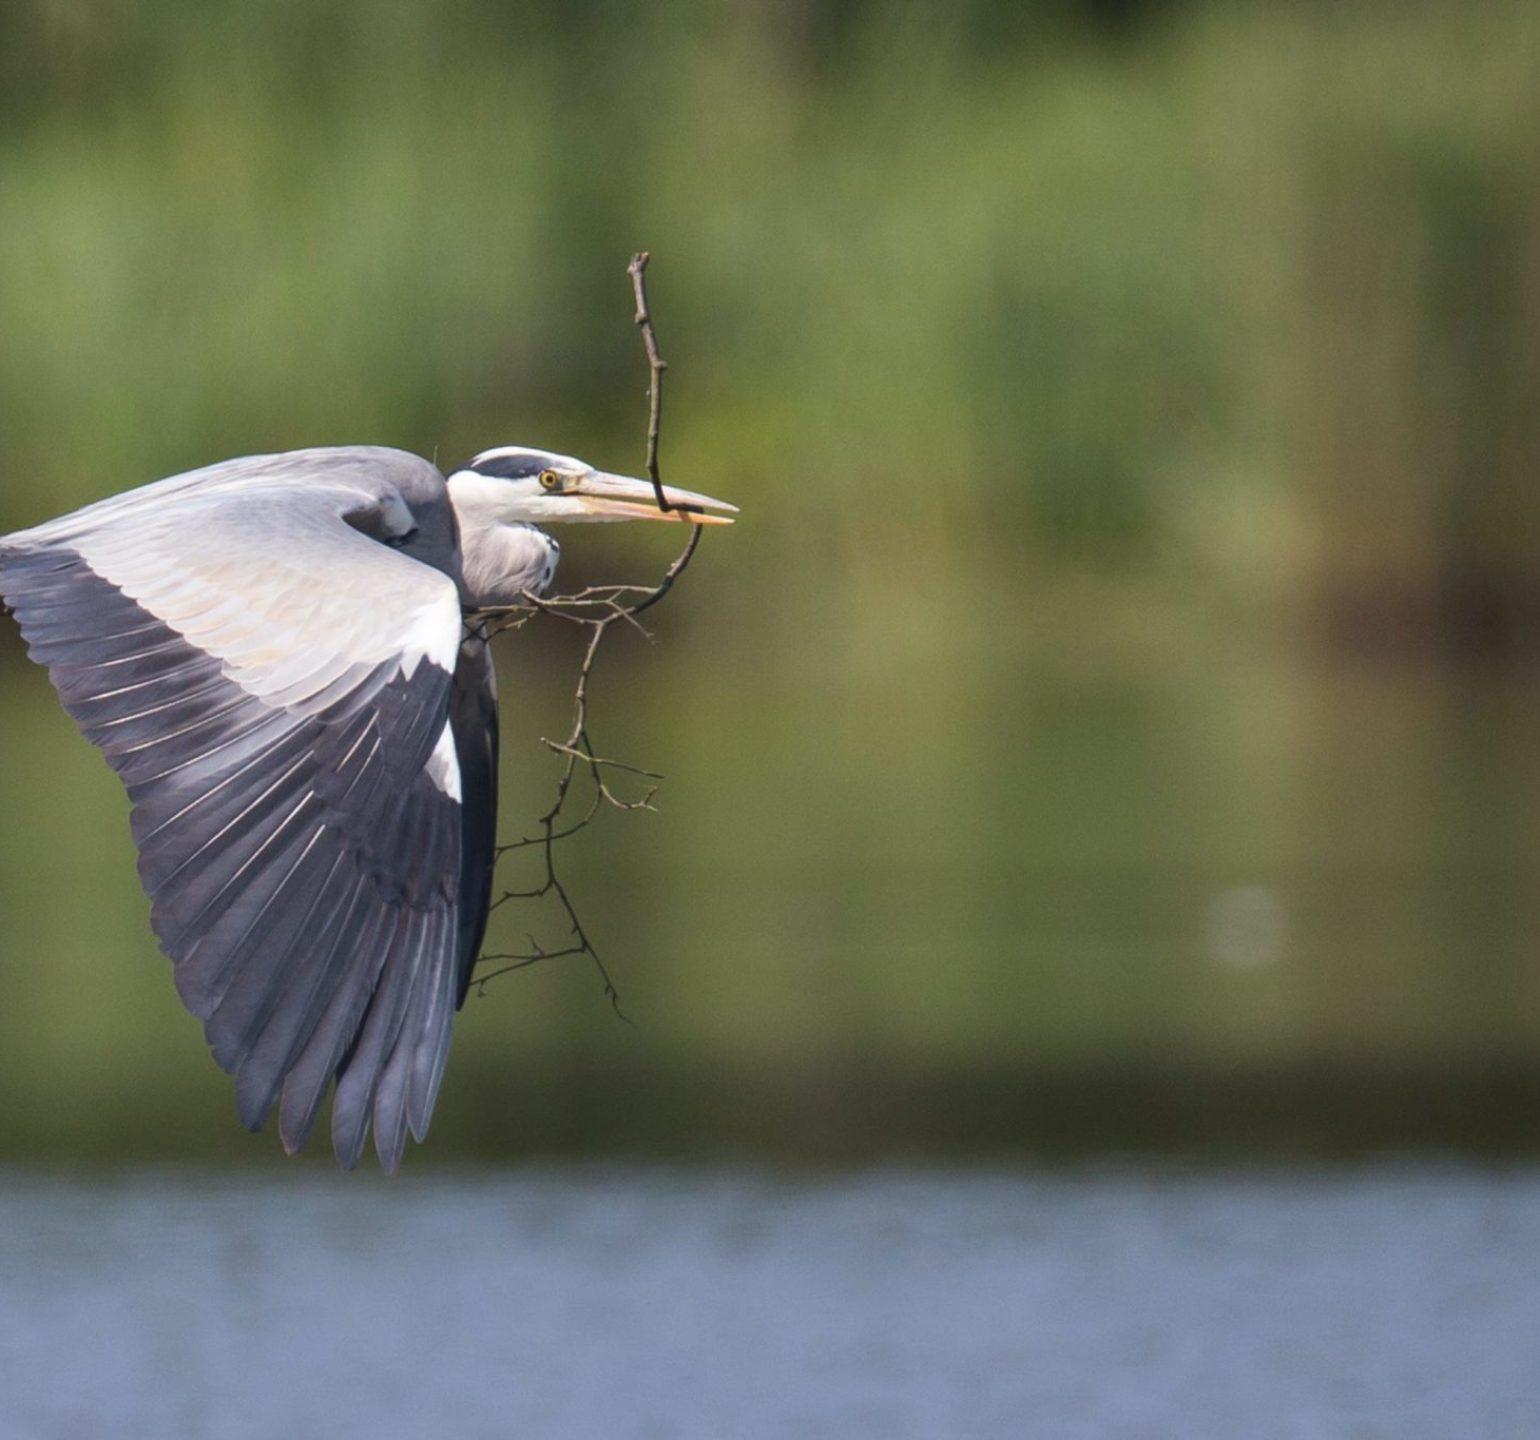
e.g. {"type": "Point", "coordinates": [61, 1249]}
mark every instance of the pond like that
{"type": "Point", "coordinates": [1397, 1301]}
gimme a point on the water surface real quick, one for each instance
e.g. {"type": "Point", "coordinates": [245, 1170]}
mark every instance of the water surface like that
{"type": "Point", "coordinates": [1391, 1301]}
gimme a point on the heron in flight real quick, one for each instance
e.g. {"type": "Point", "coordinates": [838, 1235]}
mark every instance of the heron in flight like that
{"type": "Point", "coordinates": [273, 654]}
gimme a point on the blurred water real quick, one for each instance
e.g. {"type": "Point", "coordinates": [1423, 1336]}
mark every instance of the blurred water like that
{"type": "Point", "coordinates": [1392, 1301]}
{"type": "Point", "coordinates": [1169, 923]}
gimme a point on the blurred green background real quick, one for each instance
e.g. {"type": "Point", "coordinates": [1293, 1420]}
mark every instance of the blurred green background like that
{"type": "Point", "coordinates": [1112, 725]}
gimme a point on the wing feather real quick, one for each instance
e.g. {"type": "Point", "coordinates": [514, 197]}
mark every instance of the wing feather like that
{"type": "Point", "coordinates": [356, 970]}
{"type": "Point", "coordinates": [361, 1070]}
{"type": "Point", "coordinates": [301, 1003]}
{"type": "Point", "coordinates": [474, 724]}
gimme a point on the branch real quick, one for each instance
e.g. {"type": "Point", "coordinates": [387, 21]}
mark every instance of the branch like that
{"type": "Point", "coordinates": [596, 608]}
{"type": "Point", "coordinates": [656, 365]}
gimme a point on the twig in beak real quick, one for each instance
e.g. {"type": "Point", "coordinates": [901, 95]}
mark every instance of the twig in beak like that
{"type": "Point", "coordinates": [595, 609]}
{"type": "Point", "coordinates": [656, 364]}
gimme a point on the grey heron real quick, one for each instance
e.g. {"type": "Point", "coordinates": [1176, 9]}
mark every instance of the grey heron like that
{"type": "Point", "coordinates": [272, 654]}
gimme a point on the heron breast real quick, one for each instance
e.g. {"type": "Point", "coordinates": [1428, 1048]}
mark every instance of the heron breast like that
{"type": "Point", "coordinates": [501, 562]}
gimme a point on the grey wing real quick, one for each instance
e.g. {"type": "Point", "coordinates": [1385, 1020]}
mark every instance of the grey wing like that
{"type": "Point", "coordinates": [273, 687]}
{"type": "Point", "coordinates": [473, 719]}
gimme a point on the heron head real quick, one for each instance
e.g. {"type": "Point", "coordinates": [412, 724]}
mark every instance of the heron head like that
{"type": "Point", "coordinates": [513, 485]}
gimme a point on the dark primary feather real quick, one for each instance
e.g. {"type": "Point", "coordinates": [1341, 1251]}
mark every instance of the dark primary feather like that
{"type": "Point", "coordinates": [473, 718]}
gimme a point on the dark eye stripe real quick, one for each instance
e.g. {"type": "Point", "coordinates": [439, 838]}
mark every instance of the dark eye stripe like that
{"type": "Point", "coordinates": [511, 467]}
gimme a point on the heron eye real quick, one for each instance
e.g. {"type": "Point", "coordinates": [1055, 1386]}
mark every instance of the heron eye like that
{"type": "Point", "coordinates": [550, 480]}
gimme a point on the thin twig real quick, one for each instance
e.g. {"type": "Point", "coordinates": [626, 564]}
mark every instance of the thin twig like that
{"type": "Point", "coordinates": [656, 365]}
{"type": "Point", "coordinates": [596, 608]}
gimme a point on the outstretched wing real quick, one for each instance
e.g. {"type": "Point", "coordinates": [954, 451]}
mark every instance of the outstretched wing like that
{"type": "Point", "coordinates": [272, 684]}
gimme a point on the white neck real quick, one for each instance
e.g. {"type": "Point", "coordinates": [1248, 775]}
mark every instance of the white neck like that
{"type": "Point", "coordinates": [499, 558]}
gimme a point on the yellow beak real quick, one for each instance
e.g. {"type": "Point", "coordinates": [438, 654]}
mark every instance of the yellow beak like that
{"type": "Point", "coordinates": [619, 497]}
